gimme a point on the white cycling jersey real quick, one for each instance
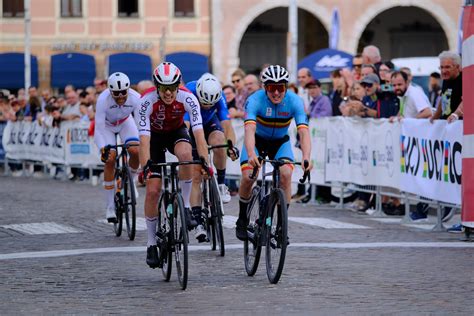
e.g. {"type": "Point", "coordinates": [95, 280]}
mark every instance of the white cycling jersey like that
{"type": "Point", "coordinates": [111, 119]}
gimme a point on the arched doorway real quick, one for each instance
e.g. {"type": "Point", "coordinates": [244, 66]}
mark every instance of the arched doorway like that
{"type": "Point", "coordinates": [265, 40]}
{"type": "Point", "coordinates": [404, 32]}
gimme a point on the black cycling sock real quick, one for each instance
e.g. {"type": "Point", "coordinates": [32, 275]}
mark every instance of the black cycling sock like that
{"type": "Point", "coordinates": [243, 205]}
{"type": "Point", "coordinates": [220, 176]}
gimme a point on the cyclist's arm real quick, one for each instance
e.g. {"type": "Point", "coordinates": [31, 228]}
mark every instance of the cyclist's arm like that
{"type": "Point", "coordinates": [142, 118]}
{"type": "Point", "coordinates": [228, 131]}
{"type": "Point", "coordinates": [305, 142]}
{"type": "Point", "coordinates": [100, 123]}
{"type": "Point", "coordinates": [302, 126]}
{"type": "Point", "coordinates": [144, 152]}
{"type": "Point", "coordinates": [191, 105]}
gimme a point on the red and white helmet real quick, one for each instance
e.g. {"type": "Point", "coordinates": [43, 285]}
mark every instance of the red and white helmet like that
{"type": "Point", "coordinates": [166, 74]}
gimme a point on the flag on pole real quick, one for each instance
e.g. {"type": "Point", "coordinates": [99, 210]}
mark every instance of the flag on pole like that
{"type": "Point", "coordinates": [334, 34]}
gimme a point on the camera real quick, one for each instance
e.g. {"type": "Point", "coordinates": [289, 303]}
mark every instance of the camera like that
{"type": "Point", "coordinates": [386, 87]}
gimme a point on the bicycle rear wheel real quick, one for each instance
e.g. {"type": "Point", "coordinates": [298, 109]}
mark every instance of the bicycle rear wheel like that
{"type": "Point", "coordinates": [277, 232]}
{"type": "Point", "coordinates": [129, 203]}
{"type": "Point", "coordinates": [253, 246]}
{"type": "Point", "coordinates": [118, 198]}
{"type": "Point", "coordinates": [216, 218]}
{"type": "Point", "coordinates": [180, 237]}
{"type": "Point", "coordinates": [163, 232]}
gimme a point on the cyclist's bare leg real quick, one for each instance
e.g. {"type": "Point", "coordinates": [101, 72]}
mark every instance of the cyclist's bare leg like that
{"type": "Point", "coordinates": [285, 180]}
{"type": "Point", "coordinates": [245, 192]}
{"type": "Point", "coordinates": [109, 185]}
{"type": "Point", "coordinates": [245, 189]}
{"type": "Point", "coordinates": [196, 191]}
{"type": "Point", "coordinates": [133, 151]}
{"type": "Point", "coordinates": [183, 151]}
{"type": "Point", "coordinates": [220, 157]}
{"type": "Point", "coordinates": [153, 190]}
{"type": "Point", "coordinates": [109, 167]}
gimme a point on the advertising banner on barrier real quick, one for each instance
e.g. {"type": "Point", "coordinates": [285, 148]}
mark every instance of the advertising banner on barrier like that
{"type": "Point", "coordinates": [430, 162]}
{"type": "Point", "coordinates": [80, 148]}
{"type": "Point", "coordinates": [363, 151]}
{"type": "Point", "coordinates": [317, 129]}
{"type": "Point", "coordinates": [30, 141]}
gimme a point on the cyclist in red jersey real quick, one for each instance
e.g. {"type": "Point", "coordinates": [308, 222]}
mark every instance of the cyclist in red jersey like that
{"type": "Point", "coordinates": [161, 127]}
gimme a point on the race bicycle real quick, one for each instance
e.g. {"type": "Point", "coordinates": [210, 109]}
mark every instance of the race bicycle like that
{"type": "Point", "coordinates": [172, 233]}
{"type": "Point", "coordinates": [125, 196]}
{"type": "Point", "coordinates": [268, 221]}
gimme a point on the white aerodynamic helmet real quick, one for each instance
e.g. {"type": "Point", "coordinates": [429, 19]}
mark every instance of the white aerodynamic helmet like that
{"type": "Point", "coordinates": [208, 89]}
{"type": "Point", "coordinates": [166, 74]}
{"type": "Point", "coordinates": [118, 81]}
{"type": "Point", "coordinates": [275, 74]}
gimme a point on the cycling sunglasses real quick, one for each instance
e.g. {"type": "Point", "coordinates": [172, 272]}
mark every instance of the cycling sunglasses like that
{"type": "Point", "coordinates": [172, 88]}
{"type": "Point", "coordinates": [273, 87]}
{"type": "Point", "coordinates": [119, 93]}
{"type": "Point", "coordinates": [366, 85]}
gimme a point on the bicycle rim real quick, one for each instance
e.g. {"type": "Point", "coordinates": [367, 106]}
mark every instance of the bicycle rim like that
{"type": "Point", "coordinates": [180, 241]}
{"type": "Point", "coordinates": [277, 232]}
{"type": "Point", "coordinates": [163, 233]}
{"type": "Point", "coordinates": [216, 214]}
{"type": "Point", "coordinates": [252, 246]}
{"type": "Point", "coordinates": [129, 205]}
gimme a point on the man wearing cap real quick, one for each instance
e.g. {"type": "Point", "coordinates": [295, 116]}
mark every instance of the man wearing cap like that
{"type": "Point", "coordinates": [320, 105]}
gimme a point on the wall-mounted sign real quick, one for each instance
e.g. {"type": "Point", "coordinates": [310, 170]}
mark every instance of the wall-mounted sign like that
{"type": "Point", "coordinates": [102, 46]}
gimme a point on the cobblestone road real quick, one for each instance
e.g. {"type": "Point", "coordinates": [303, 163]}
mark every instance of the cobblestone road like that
{"type": "Point", "coordinates": [364, 267]}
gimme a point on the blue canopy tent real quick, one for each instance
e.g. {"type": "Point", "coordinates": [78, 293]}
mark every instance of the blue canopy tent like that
{"type": "Point", "coordinates": [72, 68]}
{"type": "Point", "coordinates": [324, 61]}
{"type": "Point", "coordinates": [192, 65]}
{"type": "Point", "coordinates": [12, 71]}
{"type": "Point", "coordinates": [136, 66]}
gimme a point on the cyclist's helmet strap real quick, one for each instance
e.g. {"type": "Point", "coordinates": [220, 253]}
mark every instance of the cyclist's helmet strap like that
{"type": "Point", "coordinates": [274, 74]}
{"type": "Point", "coordinates": [166, 74]}
{"type": "Point", "coordinates": [208, 89]}
{"type": "Point", "coordinates": [118, 81]}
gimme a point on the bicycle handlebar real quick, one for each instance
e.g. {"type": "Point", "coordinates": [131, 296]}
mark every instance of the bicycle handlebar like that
{"type": "Point", "coordinates": [279, 163]}
{"type": "Point", "coordinates": [228, 145]}
{"type": "Point", "coordinates": [126, 146]}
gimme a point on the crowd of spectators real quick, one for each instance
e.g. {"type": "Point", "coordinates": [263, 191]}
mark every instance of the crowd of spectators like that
{"type": "Point", "coordinates": [372, 88]}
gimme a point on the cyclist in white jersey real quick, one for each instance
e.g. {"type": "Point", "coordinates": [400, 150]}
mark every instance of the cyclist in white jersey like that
{"type": "Point", "coordinates": [113, 116]}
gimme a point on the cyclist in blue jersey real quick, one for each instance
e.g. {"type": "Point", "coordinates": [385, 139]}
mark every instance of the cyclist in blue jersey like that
{"type": "Point", "coordinates": [217, 129]}
{"type": "Point", "coordinates": [268, 115]}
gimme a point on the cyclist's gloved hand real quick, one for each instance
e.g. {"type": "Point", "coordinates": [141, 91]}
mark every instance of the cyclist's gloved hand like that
{"type": "Point", "coordinates": [104, 154]}
{"type": "Point", "coordinates": [233, 153]}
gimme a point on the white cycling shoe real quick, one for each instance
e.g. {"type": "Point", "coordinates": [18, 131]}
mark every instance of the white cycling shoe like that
{"type": "Point", "coordinates": [110, 214]}
{"type": "Point", "coordinates": [224, 192]}
{"type": "Point", "coordinates": [200, 233]}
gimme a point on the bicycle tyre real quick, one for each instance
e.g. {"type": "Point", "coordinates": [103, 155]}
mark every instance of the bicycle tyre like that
{"type": "Point", "coordinates": [118, 204]}
{"type": "Point", "coordinates": [129, 206]}
{"type": "Point", "coordinates": [253, 246]}
{"type": "Point", "coordinates": [277, 232]}
{"type": "Point", "coordinates": [216, 216]}
{"type": "Point", "coordinates": [163, 231]}
{"type": "Point", "coordinates": [180, 238]}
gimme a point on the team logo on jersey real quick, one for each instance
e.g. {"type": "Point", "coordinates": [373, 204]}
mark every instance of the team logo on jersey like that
{"type": "Point", "coordinates": [269, 112]}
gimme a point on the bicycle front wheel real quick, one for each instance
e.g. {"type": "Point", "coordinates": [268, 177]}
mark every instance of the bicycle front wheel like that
{"type": "Point", "coordinates": [216, 218]}
{"type": "Point", "coordinates": [277, 232]}
{"type": "Point", "coordinates": [253, 245]}
{"type": "Point", "coordinates": [129, 203]}
{"type": "Point", "coordinates": [163, 234]}
{"type": "Point", "coordinates": [180, 237]}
